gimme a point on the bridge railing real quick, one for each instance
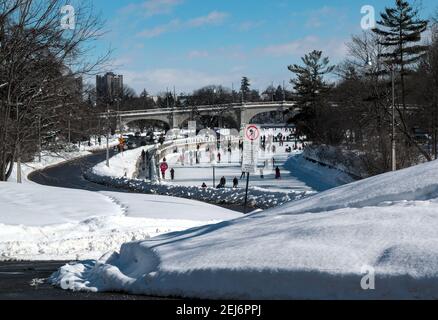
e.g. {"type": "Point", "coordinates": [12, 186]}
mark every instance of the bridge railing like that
{"type": "Point", "coordinates": [202, 107]}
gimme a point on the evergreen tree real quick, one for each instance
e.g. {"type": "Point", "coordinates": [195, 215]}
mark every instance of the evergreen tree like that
{"type": "Point", "coordinates": [279, 94]}
{"type": "Point", "coordinates": [400, 30]}
{"type": "Point", "coordinates": [309, 82]}
{"type": "Point", "coordinates": [310, 87]}
{"type": "Point", "coordinates": [245, 88]}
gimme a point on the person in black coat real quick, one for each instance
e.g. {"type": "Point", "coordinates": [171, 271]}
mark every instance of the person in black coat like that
{"type": "Point", "coordinates": [172, 174]}
{"type": "Point", "coordinates": [235, 183]}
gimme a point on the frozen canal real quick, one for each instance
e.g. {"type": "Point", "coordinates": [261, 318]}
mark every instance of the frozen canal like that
{"type": "Point", "coordinates": [196, 175]}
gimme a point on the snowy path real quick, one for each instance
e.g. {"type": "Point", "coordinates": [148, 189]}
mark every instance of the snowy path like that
{"type": "Point", "coordinates": [50, 223]}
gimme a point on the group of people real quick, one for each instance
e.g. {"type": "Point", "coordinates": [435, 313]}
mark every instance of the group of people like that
{"type": "Point", "coordinates": [164, 167]}
{"type": "Point", "coordinates": [223, 182]}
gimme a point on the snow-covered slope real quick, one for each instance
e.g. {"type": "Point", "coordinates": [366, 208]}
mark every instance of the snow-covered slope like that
{"type": "Point", "coordinates": [45, 223]}
{"type": "Point", "coordinates": [121, 165]}
{"type": "Point", "coordinates": [314, 248]}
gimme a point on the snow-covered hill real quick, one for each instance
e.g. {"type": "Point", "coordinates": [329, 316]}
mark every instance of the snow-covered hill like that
{"type": "Point", "coordinates": [46, 223]}
{"type": "Point", "coordinates": [314, 248]}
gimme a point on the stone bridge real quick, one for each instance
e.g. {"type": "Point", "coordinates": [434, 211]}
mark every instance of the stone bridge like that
{"type": "Point", "coordinates": [241, 113]}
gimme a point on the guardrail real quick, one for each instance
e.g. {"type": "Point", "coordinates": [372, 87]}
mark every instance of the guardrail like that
{"type": "Point", "coordinates": [200, 108]}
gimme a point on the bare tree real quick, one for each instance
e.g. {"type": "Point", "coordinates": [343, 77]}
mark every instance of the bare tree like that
{"type": "Point", "coordinates": [40, 71]}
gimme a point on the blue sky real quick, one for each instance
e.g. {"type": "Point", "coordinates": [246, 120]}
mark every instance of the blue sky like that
{"type": "Point", "coordinates": [193, 43]}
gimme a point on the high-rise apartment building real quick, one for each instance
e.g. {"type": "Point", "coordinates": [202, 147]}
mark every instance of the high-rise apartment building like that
{"type": "Point", "coordinates": [109, 87]}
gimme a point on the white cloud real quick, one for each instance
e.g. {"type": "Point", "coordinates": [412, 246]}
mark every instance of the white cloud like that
{"type": "Point", "coordinates": [159, 30]}
{"type": "Point", "coordinates": [215, 17]}
{"type": "Point", "coordinates": [249, 25]}
{"type": "Point", "coordinates": [334, 48]}
{"type": "Point", "coordinates": [151, 8]}
{"type": "Point", "coordinates": [317, 18]}
{"type": "Point", "coordinates": [185, 80]}
{"type": "Point", "coordinates": [198, 54]}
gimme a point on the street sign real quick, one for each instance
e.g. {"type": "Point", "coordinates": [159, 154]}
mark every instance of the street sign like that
{"type": "Point", "coordinates": [251, 146]}
{"type": "Point", "coordinates": [252, 133]}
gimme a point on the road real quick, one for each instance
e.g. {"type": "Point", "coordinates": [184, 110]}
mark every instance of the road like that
{"type": "Point", "coordinates": [21, 281]}
{"type": "Point", "coordinates": [70, 174]}
{"type": "Point", "coordinates": [16, 278]}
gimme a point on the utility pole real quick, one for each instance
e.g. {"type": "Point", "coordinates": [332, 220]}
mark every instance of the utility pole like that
{"type": "Point", "coordinates": [214, 176]}
{"type": "Point", "coordinates": [39, 138]}
{"type": "Point", "coordinates": [245, 205]}
{"type": "Point", "coordinates": [107, 137]}
{"type": "Point", "coordinates": [394, 159]}
{"type": "Point", "coordinates": [284, 92]}
{"type": "Point", "coordinates": [69, 129]}
{"type": "Point", "coordinates": [272, 91]}
{"type": "Point", "coordinates": [18, 148]}
{"type": "Point", "coordinates": [174, 97]}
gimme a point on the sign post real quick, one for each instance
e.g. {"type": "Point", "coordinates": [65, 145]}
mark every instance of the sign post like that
{"type": "Point", "coordinates": [251, 145]}
{"type": "Point", "coordinates": [192, 129]}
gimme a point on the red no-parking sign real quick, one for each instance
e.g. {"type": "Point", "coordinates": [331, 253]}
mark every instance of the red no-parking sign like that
{"type": "Point", "coordinates": [251, 145]}
{"type": "Point", "coordinates": [252, 133]}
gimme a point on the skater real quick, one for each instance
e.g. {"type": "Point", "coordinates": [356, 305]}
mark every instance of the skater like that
{"type": "Point", "coordinates": [242, 176]}
{"type": "Point", "coordinates": [223, 182]}
{"type": "Point", "coordinates": [219, 157]}
{"type": "Point", "coordinates": [172, 174]}
{"type": "Point", "coordinates": [163, 168]}
{"type": "Point", "coordinates": [277, 173]}
{"type": "Point", "coordinates": [235, 183]}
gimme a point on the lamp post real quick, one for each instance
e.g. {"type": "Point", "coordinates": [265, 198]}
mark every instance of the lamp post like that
{"type": "Point", "coordinates": [369, 66]}
{"type": "Point", "coordinates": [393, 146]}
{"type": "Point", "coordinates": [107, 138]}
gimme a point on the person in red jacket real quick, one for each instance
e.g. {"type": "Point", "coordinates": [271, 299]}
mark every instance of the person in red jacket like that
{"type": "Point", "coordinates": [163, 168]}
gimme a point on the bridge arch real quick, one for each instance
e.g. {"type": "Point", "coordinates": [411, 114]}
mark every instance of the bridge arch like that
{"type": "Point", "coordinates": [250, 115]}
{"type": "Point", "coordinates": [150, 119]}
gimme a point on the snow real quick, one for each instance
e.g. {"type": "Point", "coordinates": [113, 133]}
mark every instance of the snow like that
{"type": "Point", "coordinates": [46, 223]}
{"type": "Point", "coordinates": [123, 164]}
{"type": "Point", "coordinates": [315, 248]}
{"type": "Point", "coordinates": [300, 178]}
{"type": "Point", "coordinates": [54, 158]}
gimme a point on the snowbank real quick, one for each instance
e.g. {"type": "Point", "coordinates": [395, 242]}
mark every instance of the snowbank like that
{"type": "Point", "coordinates": [346, 161]}
{"type": "Point", "coordinates": [46, 223]}
{"type": "Point", "coordinates": [52, 159]}
{"type": "Point", "coordinates": [257, 198]}
{"type": "Point", "coordinates": [314, 248]}
{"type": "Point", "coordinates": [121, 165]}
{"type": "Point", "coordinates": [319, 178]}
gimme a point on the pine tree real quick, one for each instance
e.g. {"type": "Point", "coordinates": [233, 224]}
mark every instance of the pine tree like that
{"type": "Point", "coordinates": [309, 82]}
{"type": "Point", "coordinates": [401, 29]}
{"type": "Point", "coordinates": [245, 88]}
{"type": "Point", "coordinates": [310, 87]}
